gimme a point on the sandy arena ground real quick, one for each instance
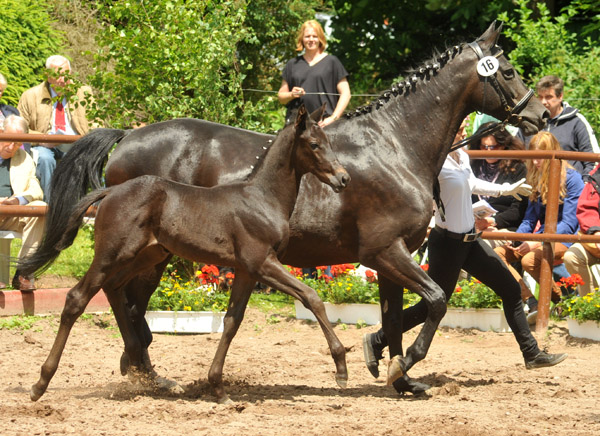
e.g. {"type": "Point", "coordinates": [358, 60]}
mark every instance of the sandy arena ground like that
{"type": "Point", "coordinates": [281, 378]}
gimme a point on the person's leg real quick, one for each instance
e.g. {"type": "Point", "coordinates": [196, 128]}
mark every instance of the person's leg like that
{"type": "Point", "coordinates": [578, 261]}
{"type": "Point", "coordinates": [532, 263]}
{"type": "Point", "coordinates": [45, 168]}
{"type": "Point", "coordinates": [445, 261]}
{"type": "Point", "coordinates": [509, 257]}
{"type": "Point", "coordinates": [486, 266]}
{"type": "Point", "coordinates": [446, 258]}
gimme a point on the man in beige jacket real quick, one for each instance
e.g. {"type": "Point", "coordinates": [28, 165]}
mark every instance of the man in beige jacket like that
{"type": "Point", "coordinates": [19, 185]}
{"type": "Point", "coordinates": [48, 111]}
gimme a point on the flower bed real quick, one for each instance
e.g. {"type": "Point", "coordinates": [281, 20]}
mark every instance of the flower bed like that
{"type": "Point", "coordinates": [474, 305]}
{"type": "Point", "coordinates": [348, 297]}
{"type": "Point", "coordinates": [193, 305]}
{"type": "Point", "coordinates": [583, 315]}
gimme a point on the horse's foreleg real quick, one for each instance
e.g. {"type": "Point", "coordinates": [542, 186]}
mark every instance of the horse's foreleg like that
{"type": "Point", "coordinates": [274, 274]}
{"type": "Point", "coordinates": [240, 293]}
{"type": "Point", "coordinates": [76, 301]}
{"type": "Point", "coordinates": [396, 263]}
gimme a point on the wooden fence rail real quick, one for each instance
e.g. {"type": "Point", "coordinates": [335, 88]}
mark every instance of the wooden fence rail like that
{"type": "Point", "coordinates": [548, 237]}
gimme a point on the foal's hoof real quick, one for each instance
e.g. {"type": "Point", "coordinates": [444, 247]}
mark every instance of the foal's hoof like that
{"type": "Point", "coordinates": [36, 393]}
{"type": "Point", "coordinates": [395, 370]}
{"type": "Point", "coordinates": [124, 364]}
{"type": "Point", "coordinates": [224, 400]}
{"type": "Point", "coordinates": [407, 384]}
{"type": "Point", "coordinates": [170, 386]}
{"type": "Point", "coordinates": [341, 380]}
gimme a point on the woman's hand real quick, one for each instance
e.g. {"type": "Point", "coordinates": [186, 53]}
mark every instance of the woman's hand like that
{"type": "Point", "coordinates": [327, 121]}
{"type": "Point", "coordinates": [10, 201]}
{"type": "Point", "coordinates": [488, 223]}
{"type": "Point", "coordinates": [297, 92]}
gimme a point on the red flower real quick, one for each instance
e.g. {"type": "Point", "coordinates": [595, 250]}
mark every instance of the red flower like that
{"type": "Point", "coordinates": [425, 267]}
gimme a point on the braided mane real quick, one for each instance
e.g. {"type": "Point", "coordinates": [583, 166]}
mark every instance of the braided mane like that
{"type": "Point", "coordinates": [404, 87]}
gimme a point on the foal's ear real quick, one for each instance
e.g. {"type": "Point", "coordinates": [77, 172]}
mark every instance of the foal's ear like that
{"type": "Point", "coordinates": [318, 114]}
{"type": "Point", "coordinates": [490, 36]}
{"type": "Point", "coordinates": [301, 118]}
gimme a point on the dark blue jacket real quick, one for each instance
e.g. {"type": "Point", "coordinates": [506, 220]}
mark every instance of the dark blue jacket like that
{"type": "Point", "coordinates": [567, 223]}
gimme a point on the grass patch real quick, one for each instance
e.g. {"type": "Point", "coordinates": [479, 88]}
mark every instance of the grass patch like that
{"type": "Point", "coordinates": [72, 262]}
{"type": "Point", "coordinates": [18, 322]}
{"type": "Point", "coordinates": [274, 301]}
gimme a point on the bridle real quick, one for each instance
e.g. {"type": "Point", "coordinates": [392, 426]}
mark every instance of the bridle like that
{"type": "Point", "coordinates": [513, 116]}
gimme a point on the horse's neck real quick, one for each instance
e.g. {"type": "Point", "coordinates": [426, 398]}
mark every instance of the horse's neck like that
{"type": "Point", "coordinates": [426, 119]}
{"type": "Point", "coordinates": [277, 174]}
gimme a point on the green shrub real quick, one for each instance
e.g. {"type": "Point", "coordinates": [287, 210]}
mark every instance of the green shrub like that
{"type": "Point", "coordinates": [169, 59]}
{"type": "Point", "coordinates": [26, 41]}
{"type": "Point", "coordinates": [545, 46]}
{"type": "Point", "coordinates": [474, 294]}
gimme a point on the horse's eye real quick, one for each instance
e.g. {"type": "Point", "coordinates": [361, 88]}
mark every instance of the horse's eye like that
{"type": "Point", "coordinates": [314, 145]}
{"type": "Point", "coordinates": [509, 74]}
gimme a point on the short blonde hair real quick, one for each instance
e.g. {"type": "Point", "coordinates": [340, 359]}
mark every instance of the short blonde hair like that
{"type": "Point", "coordinates": [314, 24]}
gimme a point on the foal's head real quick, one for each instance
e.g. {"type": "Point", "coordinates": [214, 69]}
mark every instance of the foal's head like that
{"type": "Point", "coordinates": [313, 153]}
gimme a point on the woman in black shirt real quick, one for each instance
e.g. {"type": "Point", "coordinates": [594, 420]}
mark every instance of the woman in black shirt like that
{"type": "Point", "coordinates": [315, 77]}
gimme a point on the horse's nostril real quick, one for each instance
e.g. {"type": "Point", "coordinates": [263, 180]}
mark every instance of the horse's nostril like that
{"type": "Point", "coordinates": [345, 179]}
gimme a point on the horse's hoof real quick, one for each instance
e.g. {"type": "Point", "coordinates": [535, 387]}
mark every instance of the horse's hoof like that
{"type": "Point", "coordinates": [395, 370]}
{"type": "Point", "coordinates": [168, 385]}
{"type": "Point", "coordinates": [225, 400]}
{"type": "Point", "coordinates": [124, 364]}
{"type": "Point", "coordinates": [36, 393]}
{"type": "Point", "coordinates": [407, 384]}
{"type": "Point", "coordinates": [341, 380]}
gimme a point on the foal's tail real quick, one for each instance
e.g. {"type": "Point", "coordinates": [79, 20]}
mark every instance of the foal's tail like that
{"type": "Point", "coordinates": [46, 253]}
{"type": "Point", "coordinates": [80, 169]}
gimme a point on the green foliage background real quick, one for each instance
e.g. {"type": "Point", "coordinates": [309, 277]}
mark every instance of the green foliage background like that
{"type": "Point", "coordinates": [545, 45]}
{"type": "Point", "coordinates": [26, 40]}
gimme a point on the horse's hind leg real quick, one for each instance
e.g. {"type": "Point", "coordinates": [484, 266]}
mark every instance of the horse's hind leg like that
{"type": "Point", "coordinates": [77, 300]}
{"type": "Point", "coordinates": [240, 293]}
{"type": "Point", "coordinates": [274, 274]}
{"type": "Point", "coordinates": [138, 292]}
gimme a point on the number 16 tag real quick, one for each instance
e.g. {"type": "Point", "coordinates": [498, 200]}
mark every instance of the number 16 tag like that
{"type": "Point", "coordinates": [487, 66]}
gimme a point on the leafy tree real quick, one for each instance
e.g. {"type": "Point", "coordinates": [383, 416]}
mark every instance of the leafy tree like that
{"type": "Point", "coordinates": [376, 44]}
{"type": "Point", "coordinates": [544, 46]}
{"type": "Point", "coordinates": [166, 59]}
{"type": "Point", "coordinates": [26, 41]}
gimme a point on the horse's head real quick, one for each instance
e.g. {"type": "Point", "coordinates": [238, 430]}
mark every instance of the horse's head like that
{"type": "Point", "coordinates": [502, 91]}
{"type": "Point", "coordinates": [313, 151]}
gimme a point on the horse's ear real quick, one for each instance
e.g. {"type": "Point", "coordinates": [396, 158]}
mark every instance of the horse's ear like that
{"type": "Point", "coordinates": [301, 119]}
{"type": "Point", "coordinates": [318, 114]}
{"type": "Point", "coordinates": [490, 36]}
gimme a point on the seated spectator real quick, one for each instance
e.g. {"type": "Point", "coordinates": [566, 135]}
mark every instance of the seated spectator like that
{"type": "Point", "coordinates": [580, 256]}
{"type": "Point", "coordinates": [530, 253]}
{"type": "Point", "coordinates": [572, 131]}
{"type": "Point", "coordinates": [5, 109]}
{"type": "Point", "coordinates": [19, 185]}
{"type": "Point", "coordinates": [510, 210]}
{"type": "Point", "coordinates": [49, 110]}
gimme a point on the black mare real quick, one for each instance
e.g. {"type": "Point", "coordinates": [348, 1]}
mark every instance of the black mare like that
{"type": "Point", "coordinates": [393, 150]}
{"type": "Point", "coordinates": [240, 224]}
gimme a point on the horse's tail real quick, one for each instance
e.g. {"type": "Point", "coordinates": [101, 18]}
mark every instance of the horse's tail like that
{"type": "Point", "coordinates": [46, 254]}
{"type": "Point", "coordinates": [80, 169]}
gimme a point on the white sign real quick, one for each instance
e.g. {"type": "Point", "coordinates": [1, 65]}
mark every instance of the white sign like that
{"type": "Point", "coordinates": [487, 66]}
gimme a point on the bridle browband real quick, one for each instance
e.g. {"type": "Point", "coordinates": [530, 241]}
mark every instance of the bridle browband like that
{"type": "Point", "coordinates": [513, 116]}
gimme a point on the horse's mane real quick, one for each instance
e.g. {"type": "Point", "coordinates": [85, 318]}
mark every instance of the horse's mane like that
{"type": "Point", "coordinates": [260, 159]}
{"type": "Point", "coordinates": [415, 75]}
